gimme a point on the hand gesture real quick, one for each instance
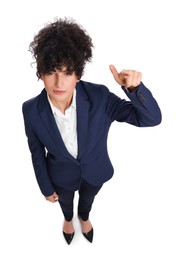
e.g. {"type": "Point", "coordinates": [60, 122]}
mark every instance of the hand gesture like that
{"type": "Point", "coordinates": [126, 78]}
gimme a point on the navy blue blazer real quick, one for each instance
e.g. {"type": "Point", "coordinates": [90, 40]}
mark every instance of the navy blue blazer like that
{"type": "Point", "coordinates": [97, 108]}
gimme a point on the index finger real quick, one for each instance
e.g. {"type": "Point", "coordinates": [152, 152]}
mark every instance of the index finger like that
{"type": "Point", "coordinates": [114, 72]}
{"type": "Point", "coordinates": [113, 69]}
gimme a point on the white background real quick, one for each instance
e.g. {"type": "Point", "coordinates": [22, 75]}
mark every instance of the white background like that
{"type": "Point", "coordinates": [138, 214]}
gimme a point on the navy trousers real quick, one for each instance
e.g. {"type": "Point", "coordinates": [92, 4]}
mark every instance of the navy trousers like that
{"type": "Point", "coordinates": [87, 193]}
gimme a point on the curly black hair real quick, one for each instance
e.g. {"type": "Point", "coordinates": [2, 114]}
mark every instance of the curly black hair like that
{"type": "Point", "coordinates": [63, 43]}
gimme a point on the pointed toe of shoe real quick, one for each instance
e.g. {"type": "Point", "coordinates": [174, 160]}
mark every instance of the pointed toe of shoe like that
{"type": "Point", "coordinates": [68, 237]}
{"type": "Point", "coordinates": [89, 235]}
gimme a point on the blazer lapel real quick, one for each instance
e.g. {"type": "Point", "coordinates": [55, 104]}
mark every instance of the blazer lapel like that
{"type": "Point", "coordinates": [82, 104]}
{"type": "Point", "coordinates": [50, 123]}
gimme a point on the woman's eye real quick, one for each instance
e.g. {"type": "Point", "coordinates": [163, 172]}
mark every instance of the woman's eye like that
{"type": "Point", "coordinates": [52, 72]}
{"type": "Point", "coordinates": [68, 73]}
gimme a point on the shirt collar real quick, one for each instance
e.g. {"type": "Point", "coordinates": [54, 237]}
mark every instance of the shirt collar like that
{"type": "Point", "coordinates": [55, 110]}
{"type": "Point", "coordinates": [73, 103]}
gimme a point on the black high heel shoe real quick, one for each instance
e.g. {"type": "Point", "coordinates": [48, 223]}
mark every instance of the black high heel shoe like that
{"type": "Point", "coordinates": [89, 235]}
{"type": "Point", "coordinates": [68, 237]}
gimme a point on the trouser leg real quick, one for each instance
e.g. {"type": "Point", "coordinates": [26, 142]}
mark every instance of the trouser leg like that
{"type": "Point", "coordinates": [87, 193]}
{"type": "Point", "coordinates": [66, 198]}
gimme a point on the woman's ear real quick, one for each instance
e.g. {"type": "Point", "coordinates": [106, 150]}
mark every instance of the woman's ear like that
{"type": "Point", "coordinates": [78, 79]}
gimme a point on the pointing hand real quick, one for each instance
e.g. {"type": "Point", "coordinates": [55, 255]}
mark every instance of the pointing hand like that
{"type": "Point", "coordinates": [126, 78]}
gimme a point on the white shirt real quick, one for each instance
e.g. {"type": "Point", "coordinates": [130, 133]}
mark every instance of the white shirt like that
{"type": "Point", "coordinates": [67, 125]}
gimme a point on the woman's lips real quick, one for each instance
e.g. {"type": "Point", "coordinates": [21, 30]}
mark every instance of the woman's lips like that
{"type": "Point", "coordinates": [59, 92]}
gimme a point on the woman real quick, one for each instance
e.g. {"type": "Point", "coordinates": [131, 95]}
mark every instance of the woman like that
{"type": "Point", "coordinates": [68, 122]}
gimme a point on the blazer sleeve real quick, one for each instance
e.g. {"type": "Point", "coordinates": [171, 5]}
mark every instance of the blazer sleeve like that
{"type": "Point", "coordinates": [142, 110]}
{"type": "Point", "coordinates": [38, 154]}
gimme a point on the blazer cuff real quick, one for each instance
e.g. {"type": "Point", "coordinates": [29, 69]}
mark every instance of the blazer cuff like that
{"type": "Point", "coordinates": [126, 90]}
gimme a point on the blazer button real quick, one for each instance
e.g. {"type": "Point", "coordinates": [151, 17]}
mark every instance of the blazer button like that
{"type": "Point", "coordinates": [141, 96]}
{"type": "Point", "coordinates": [77, 162]}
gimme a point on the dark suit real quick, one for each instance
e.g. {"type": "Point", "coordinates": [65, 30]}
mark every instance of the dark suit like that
{"type": "Point", "coordinates": [97, 108]}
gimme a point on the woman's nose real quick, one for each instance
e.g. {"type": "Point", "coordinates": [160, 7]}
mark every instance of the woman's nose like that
{"type": "Point", "coordinates": [59, 80]}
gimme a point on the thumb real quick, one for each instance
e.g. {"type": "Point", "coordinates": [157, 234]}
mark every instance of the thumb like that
{"type": "Point", "coordinates": [55, 195]}
{"type": "Point", "coordinates": [114, 72]}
